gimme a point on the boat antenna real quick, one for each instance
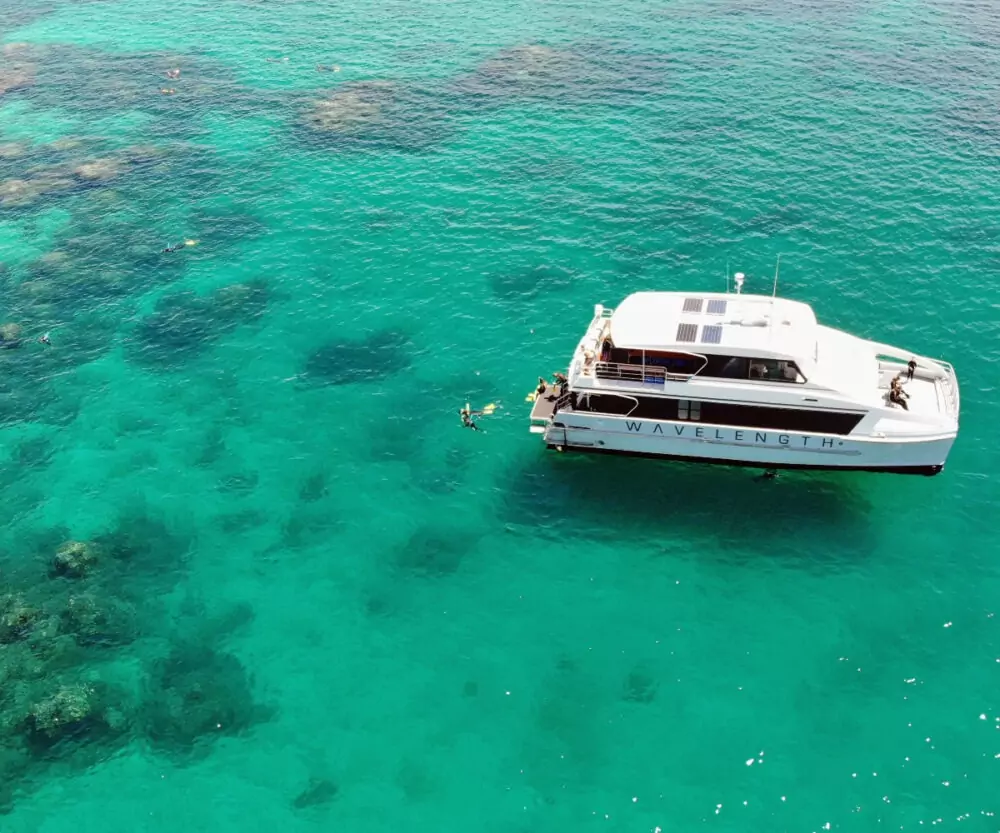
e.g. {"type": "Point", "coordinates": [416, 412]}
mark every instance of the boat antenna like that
{"type": "Point", "coordinates": [777, 266]}
{"type": "Point", "coordinates": [727, 277]}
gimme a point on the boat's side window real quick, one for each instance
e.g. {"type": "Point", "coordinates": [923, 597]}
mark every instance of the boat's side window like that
{"type": "Point", "coordinates": [726, 367]}
{"type": "Point", "coordinates": [771, 370]}
{"type": "Point", "coordinates": [689, 409]}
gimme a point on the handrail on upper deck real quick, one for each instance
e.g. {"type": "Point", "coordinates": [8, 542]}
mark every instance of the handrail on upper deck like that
{"type": "Point", "coordinates": [637, 373]}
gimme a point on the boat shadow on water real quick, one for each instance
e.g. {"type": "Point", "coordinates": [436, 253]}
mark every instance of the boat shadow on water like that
{"type": "Point", "coordinates": [827, 515]}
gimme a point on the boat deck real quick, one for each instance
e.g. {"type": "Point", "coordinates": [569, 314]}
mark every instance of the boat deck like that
{"type": "Point", "coordinates": [545, 404]}
{"type": "Point", "coordinates": [923, 395]}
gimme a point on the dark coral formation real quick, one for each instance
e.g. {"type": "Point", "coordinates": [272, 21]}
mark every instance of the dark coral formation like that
{"type": "Point", "coordinates": [527, 283]}
{"type": "Point", "coordinates": [183, 325]}
{"type": "Point", "coordinates": [62, 622]}
{"type": "Point", "coordinates": [317, 792]}
{"type": "Point", "coordinates": [57, 170]}
{"type": "Point", "coordinates": [17, 617]}
{"type": "Point", "coordinates": [436, 550]}
{"type": "Point", "coordinates": [194, 694]}
{"type": "Point", "coordinates": [96, 619]}
{"type": "Point", "coordinates": [103, 82]}
{"type": "Point", "coordinates": [345, 361]}
{"type": "Point", "coordinates": [76, 709]}
{"type": "Point", "coordinates": [75, 559]}
{"type": "Point", "coordinates": [640, 685]}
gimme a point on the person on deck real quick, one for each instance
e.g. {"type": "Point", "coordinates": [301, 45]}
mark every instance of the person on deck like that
{"type": "Point", "coordinates": [897, 395]}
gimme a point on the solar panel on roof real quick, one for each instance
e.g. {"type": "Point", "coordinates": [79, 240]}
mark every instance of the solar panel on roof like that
{"type": "Point", "coordinates": [717, 307]}
{"type": "Point", "coordinates": [692, 304]}
{"type": "Point", "coordinates": [687, 332]}
{"type": "Point", "coordinates": [711, 334]}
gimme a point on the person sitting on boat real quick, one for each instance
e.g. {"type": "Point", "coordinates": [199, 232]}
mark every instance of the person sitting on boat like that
{"type": "Point", "coordinates": [542, 385]}
{"type": "Point", "coordinates": [897, 395]}
{"type": "Point", "coordinates": [560, 380]}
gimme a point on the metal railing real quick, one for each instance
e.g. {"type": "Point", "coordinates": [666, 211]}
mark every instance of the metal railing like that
{"type": "Point", "coordinates": [949, 384]}
{"type": "Point", "coordinates": [943, 373]}
{"type": "Point", "coordinates": [643, 374]}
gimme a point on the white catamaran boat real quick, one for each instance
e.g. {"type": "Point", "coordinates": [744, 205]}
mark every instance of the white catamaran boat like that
{"type": "Point", "coordinates": [747, 380]}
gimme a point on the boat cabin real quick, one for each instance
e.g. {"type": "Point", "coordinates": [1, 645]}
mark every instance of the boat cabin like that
{"type": "Point", "coordinates": [671, 335]}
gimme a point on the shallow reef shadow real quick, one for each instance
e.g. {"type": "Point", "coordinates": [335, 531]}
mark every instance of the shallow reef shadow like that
{"type": "Point", "coordinates": [194, 694]}
{"type": "Point", "coordinates": [344, 361]}
{"type": "Point", "coordinates": [184, 324]}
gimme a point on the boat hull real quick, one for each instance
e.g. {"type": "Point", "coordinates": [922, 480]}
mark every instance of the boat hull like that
{"type": "Point", "coordinates": [759, 448]}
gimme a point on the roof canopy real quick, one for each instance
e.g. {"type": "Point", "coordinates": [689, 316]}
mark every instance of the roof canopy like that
{"type": "Point", "coordinates": [716, 323]}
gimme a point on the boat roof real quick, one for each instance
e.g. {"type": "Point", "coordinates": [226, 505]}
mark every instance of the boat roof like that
{"type": "Point", "coordinates": [757, 326]}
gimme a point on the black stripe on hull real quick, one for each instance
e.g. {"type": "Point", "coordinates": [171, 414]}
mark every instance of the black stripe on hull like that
{"type": "Point", "coordinates": [926, 471]}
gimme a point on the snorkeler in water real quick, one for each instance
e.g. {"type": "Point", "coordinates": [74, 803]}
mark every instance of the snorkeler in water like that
{"type": "Point", "coordinates": [467, 414]}
{"type": "Point", "coordinates": [467, 421]}
{"type": "Point", "coordinates": [176, 247]}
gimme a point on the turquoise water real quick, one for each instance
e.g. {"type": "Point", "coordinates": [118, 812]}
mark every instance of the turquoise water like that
{"type": "Point", "coordinates": [316, 602]}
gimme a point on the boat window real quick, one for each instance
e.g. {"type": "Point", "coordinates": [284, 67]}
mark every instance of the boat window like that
{"type": "Point", "coordinates": [737, 367]}
{"type": "Point", "coordinates": [726, 367]}
{"type": "Point", "coordinates": [772, 370]}
{"type": "Point", "coordinates": [688, 409]}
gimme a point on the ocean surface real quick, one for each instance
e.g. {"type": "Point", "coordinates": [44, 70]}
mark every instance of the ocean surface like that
{"type": "Point", "coordinates": [256, 577]}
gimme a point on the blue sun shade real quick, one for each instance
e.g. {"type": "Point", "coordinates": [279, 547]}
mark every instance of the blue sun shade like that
{"type": "Point", "coordinates": [717, 307]}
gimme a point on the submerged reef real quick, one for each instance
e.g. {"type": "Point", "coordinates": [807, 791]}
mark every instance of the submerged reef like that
{"type": "Point", "coordinates": [379, 114]}
{"type": "Point", "coordinates": [344, 361]}
{"type": "Point", "coordinates": [69, 616]}
{"type": "Point", "coordinates": [17, 67]}
{"type": "Point", "coordinates": [194, 694]}
{"type": "Point", "coordinates": [436, 550]}
{"type": "Point", "coordinates": [354, 108]}
{"type": "Point", "coordinates": [183, 325]}
{"type": "Point", "coordinates": [317, 792]}
{"type": "Point", "coordinates": [516, 286]}
{"type": "Point", "coordinates": [75, 559]}
{"type": "Point", "coordinates": [579, 73]}
{"type": "Point", "coordinates": [75, 709]}
{"type": "Point", "coordinates": [531, 70]}
{"type": "Point", "coordinates": [59, 169]}
{"type": "Point", "coordinates": [104, 82]}
{"type": "Point", "coordinates": [386, 114]}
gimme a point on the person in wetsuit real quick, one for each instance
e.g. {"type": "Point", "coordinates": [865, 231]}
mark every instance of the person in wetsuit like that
{"type": "Point", "coordinates": [467, 421]}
